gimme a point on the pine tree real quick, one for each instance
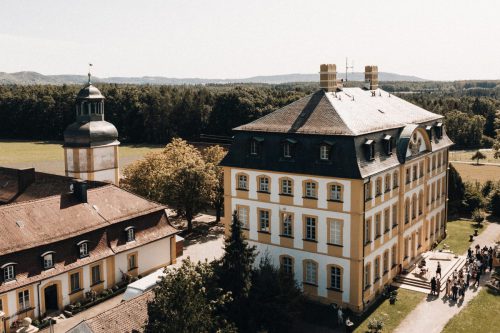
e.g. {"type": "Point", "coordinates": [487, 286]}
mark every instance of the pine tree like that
{"type": "Point", "coordinates": [234, 271]}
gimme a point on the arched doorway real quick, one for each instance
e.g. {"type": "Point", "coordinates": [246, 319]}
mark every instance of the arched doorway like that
{"type": "Point", "coordinates": [51, 301]}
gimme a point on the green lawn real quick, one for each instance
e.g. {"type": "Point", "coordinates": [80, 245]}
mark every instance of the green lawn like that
{"type": "Point", "coordinates": [482, 315]}
{"type": "Point", "coordinates": [465, 156]}
{"type": "Point", "coordinates": [393, 315]}
{"type": "Point", "coordinates": [49, 156]}
{"type": "Point", "coordinates": [458, 235]}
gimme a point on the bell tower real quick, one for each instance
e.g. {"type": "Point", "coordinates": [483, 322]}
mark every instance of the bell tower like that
{"type": "Point", "coordinates": [91, 143]}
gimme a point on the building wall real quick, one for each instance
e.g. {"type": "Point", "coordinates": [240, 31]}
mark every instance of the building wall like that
{"type": "Point", "coordinates": [98, 163]}
{"type": "Point", "coordinates": [150, 257]}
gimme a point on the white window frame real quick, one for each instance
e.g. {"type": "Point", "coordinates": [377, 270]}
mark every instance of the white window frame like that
{"type": "Point", "coordinates": [287, 224]}
{"type": "Point", "coordinates": [287, 265]}
{"type": "Point", "coordinates": [72, 281]}
{"type": "Point", "coordinates": [324, 152]}
{"type": "Point", "coordinates": [311, 272]}
{"type": "Point", "coordinates": [130, 235]}
{"type": "Point", "coordinates": [84, 250]}
{"type": "Point", "coordinates": [242, 182]}
{"type": "Point", "coordinates": [286, 187]}
{"type": "Point", "coordinates": [264, 220]}
{"type": "Point", "coordinates": [310, 190]}
{"type": "Point", "coordinates": [132, 262]}
{"type": "Point", "coordinates": [335, 232]}
{"type": "Point", "coordinates": [9, 273]}
{"type": "Point", "coordinates": [243, 216]}
{"type": "Point", "coordinates": [254, 148]}
{"type": "Point", "coordinates": [310, 228]}
{"type": "Point", "coordinates": [93, 277]}
{"type": "Point", "coordinates": [335, 277]}
{"type": "Point", "coordinates": [264, 184]}
{"type": "Point", "coordinates": [48, 261]}
{"type": "Point", "coordinates": [335, 192]}
{"type": "Point", "coordinates": [23, 299]}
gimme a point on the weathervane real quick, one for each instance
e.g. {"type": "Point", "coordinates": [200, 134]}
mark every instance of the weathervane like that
{"type": "Point", "coordinates": [90, 65]}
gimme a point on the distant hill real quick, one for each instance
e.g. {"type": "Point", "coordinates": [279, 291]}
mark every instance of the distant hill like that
{"type": "Point", "coordinates": [25, 78]}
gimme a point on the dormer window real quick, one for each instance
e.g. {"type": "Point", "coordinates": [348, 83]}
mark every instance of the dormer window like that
{"type": "Point", "coordinates": [388, 144]}
{"type": "Point", "coordinates": [255, 144]}
{"type": "Point", "coordinates": [83, 248]}
{"type": "Point", "coordinates": [428, 129]}
{"type": "Point", "coordinates": [130, 234]}
{"type": "Point", "coordinates": [324, 152]}
{"type": "Point", "coordinates": [48, 259]}
{"type": "Point", "coordinates": [288, 147]}
{"type": "Point", "coordinates": [439, 130]}
{"type": "Point", "coordinates": [370, 149]}
{"type": "Point", "coordinates": [9, 272]}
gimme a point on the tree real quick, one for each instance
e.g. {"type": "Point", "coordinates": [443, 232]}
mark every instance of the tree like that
{"type": "Point", "coordinates": [456, 190]}
{"type": "Point", "coordinates": [234, 272]}
{"type": "Point", "coordinates": [494, 204]}
{"type": "Point", "coordinates": [177, 176]}
{"type": "Point", "coordinates": [187, 301]}
{"type": "Point", "coordinates": [213, 156]}
{"type": "Point", "coordinates": [478, 155]}
{"type": "Point", "coordinates": [275, 298]}
{"type": "Point", "coordinates": [473, 198]}
{"type": "Point", "coordinates": [496, 149]}
{"type": "Point", "coordinates": [465, 130]}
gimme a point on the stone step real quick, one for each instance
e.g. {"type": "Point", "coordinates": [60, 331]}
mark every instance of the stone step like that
{"type": "Point", "coordinates": [413, 282]}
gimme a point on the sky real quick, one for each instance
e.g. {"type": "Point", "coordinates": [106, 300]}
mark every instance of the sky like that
{"type": "Point", "coordinates": [438, 40]}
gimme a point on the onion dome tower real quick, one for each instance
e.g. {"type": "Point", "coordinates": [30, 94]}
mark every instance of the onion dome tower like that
{"type": "Point", "coordinates": [90, 143]}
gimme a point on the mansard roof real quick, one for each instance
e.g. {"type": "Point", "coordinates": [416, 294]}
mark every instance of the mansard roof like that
{"type": "Point", "coordinates": [350, 112]}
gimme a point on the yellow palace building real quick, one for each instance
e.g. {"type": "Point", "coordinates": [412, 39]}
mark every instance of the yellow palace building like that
{"type": "Point", "coordinates": [344, 188]}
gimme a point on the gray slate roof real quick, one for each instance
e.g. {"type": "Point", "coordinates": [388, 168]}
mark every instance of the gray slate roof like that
{"type": "Point", "coordinates": [352, 112]}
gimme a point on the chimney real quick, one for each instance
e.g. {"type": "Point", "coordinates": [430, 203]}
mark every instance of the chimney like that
{"type": "Point", "coordinates": [80, 190]}
{"type": "Point", "coordinates": [328, 77]}
{"type": "Point", "coordinates": [371, 77]}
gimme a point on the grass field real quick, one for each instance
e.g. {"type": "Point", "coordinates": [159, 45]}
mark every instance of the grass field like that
{"type": "Point", "coordinates": [478, 173]}
{"type": "Point", "coordinates": [482, 315]}
{"type": "Point", "coordinates": [393, 315]}
{"type": "Point", "coordinates": [49, 156]}
{"type": "Point", "coordinates": [458, 235]}
{"type": "Point", "coordinates": [465, 156]}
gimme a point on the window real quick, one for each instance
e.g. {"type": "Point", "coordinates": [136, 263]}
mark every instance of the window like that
{"type": "Point", "coordinates": [324, 152]}
{"type": "Point", "coordinates": [428, 129]}
{"type": "Point", "coordinates": [420, 203]}
{"type": "Point", "coordinates": [286, 225]}
{"type": "Point", "coordinates": [264, 220]}
{"type": "Point", "coordinates": [242, 182]}
{"type": "Point", "coordinates": [367, 276]}
{"type": "Point", "coordinates": [335, 277]}
{"type": "Point", "coordinates": [394, 215]}
{"type": "Point", "coordinates": [407, 211]}
{"type": "Point", "coordinates": [335, 192]}
{"type": "Point", "coordinates": [377, 268]}
{"type": "Point", "coordinates": [387, 220]}
{"type": "Point", "coordinates": [393, 256]}
{"type": "Point", "coordinates": [287, 265]}
{"type": "Point", "coordinates": [24, 299]}
{"type": "Point", "coordinates": [75, 282]}
{"type": "Point", "coordinates": [243, 216]}
{"type": "Point", "coordinates": [9, 273]}
{"type": "Point", "coordinates": [421, 169]}
{"type": "Point", "coordinates": [132, 262]}
{"type": "Point", "coordinates": [377, 225]}
{"type": "Point", "coordinates": [263, 184]}
{"type": "Point", "coordinates": [414, 207]}
{"type": "Point", "coordinates": [286, 187]}
{"type": "Point", "coordinates": [310, 228]}
{"type": "Point", "coordinates": [386, 262]}
{"type": "Point", "coordinates": [407, 241]}
{"type": "Point", "coordinates": [287, 150]}
{"type": "Point", "coordinates": [395, 180]}
{"type": "Point", "coordinates": [387, 183]}
{"type": "Point", "coordinates": [311, 272]}
{"type": "Point", "coordinates": [415, 172]}
{"type": "Point", "coordinates": [1, 310]}
{"type": "Point", "coordinates": [310, 190]}
{"type": "Point", "coordinates": [378, 186]}
{"type": "Point", "coordinates": [433, 162]}
{"type": "Point", "coordinates": [47, 261]}
{"type": "Point", "coordinates": [130, 234]}
{"type": "Point", "coordinates": [96, 274]}
{"type": "Point", "coordinates": [84, 250]}
{"type": "Point", "coordinates": [439, 130]}
{"type": "Point", "coordinates": [408, 178]}
{"type": "Point", "coordinates": [368, 191]}
{"type": "Point", "coordinates": [368, 227]}
{"type": "Point", "coordinates": [428, 191]}
{"type": "Point", "coordinates": [370, 149]}
{"type": "Point", "coordinates": [335, 232]}
{"type": "Point", "coordinates": [254, 147]}
{"type": "Point", "coordinates": [388, 144]}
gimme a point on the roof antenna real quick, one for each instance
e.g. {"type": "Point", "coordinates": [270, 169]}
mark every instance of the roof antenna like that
{"type": "Point", "coordinates": [347, 67]}
{"type": "Point", "coordinates": [90, 65]}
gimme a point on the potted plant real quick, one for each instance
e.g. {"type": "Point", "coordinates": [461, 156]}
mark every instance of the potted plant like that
{"type": "Point", "coordinates": [393, 297]}
{"type": "Point", "coordinates": [375, 325]}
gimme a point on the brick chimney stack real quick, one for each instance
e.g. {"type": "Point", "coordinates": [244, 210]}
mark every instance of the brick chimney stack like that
{"type": "Point", "coordinates": [328, 77]}
{"type": "Point", "coordinates": [371, 77]}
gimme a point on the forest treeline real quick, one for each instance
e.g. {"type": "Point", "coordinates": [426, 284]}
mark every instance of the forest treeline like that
{"type": "Point", "coordinates": [156, 114]}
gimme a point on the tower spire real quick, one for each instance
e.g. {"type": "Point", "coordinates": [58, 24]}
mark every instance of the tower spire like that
{"type": "Point", "coordinates": [90, 65]}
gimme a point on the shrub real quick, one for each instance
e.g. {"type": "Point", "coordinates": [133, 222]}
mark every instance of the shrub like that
{"type": "Point", "coordinates": [494, 204]}
{"type": "Point", "coordinates": [487, 188]}
{"type": "Point", "coordinates": [478, 216]}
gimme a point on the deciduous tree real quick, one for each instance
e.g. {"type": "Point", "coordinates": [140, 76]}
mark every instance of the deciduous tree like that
{"type": "Point", "coordinates": [213, 156]}
{"type": "Point", "coordinates": [478, 155]}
